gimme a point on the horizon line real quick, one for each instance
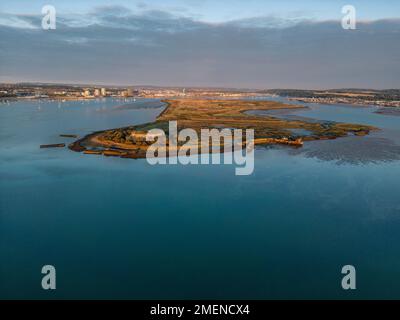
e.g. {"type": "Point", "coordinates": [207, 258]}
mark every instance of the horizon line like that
{"type": "Point", "coordinates": [182, 86]}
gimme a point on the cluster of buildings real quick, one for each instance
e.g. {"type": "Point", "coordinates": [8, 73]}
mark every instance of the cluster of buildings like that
{"type": "Point", "coordinates": [96, 92]}
{"type": "Point", "coordinates": [192, 93]}
{"type": "Point", "coordinates": [65, 92]}
{"type": "Point", "coordinates": [103, 92]}
{"type": "Point", "coordinates": [383, 98]}
{"type": "Point", "coordinates": [70, 92]}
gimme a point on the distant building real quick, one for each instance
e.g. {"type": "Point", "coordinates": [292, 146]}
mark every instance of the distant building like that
{"type": "Point", "coordinates": [86, 93]}
{"type": "Point", "coordinates": [127, 93]}
{"type": "Point", "coordinates": [96, 92]}
{"type": "Point", "coordinates": [103, 92]}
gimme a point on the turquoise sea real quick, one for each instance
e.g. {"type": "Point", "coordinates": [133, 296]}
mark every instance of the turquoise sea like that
{"type": "Point", "coordinates": [121, 228]}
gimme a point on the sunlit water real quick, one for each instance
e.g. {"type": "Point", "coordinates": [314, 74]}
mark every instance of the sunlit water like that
{"type": "Point", "coordinates": [120, 228]}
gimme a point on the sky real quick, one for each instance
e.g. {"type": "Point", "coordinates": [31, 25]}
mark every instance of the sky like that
{"type": "Point", "coordinates": [233, 43]}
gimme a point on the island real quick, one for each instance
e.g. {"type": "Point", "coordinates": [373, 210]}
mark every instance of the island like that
{"type": "Point", "coordinates": [197, 114]}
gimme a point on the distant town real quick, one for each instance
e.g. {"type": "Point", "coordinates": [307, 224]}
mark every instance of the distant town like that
{"type": "Point", "coordinates": [72, 92]}
{"type": "Point", "coordinates": [62, 92]}
{"type": "Point", "coordinates": [11, 91]}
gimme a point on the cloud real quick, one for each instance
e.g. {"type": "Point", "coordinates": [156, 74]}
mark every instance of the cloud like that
{"type": "Point", "coordinates": [117, 46]}
{"type": "Point", "coordinates": [17, 21]}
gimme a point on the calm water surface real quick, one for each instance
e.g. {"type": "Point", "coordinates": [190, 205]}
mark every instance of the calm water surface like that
{"type": "Point", "coordinates": [120, 228]}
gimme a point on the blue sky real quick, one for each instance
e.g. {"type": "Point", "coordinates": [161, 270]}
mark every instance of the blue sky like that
{"type": "Point", "coordinates": [222, 10]}
{"type": "Point", "coordinates": [235, 43]}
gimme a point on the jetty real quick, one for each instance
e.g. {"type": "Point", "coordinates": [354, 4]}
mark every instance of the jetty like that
{"type": "Point", "coordinates": [55, 145]}
{"type": "Point", "coordinates": [68, 135]}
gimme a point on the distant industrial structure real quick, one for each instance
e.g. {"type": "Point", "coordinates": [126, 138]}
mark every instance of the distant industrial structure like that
{"type": "Point", "coordinates": [96, 92]}
{"type": "Point", "coordinates": [127, 93]}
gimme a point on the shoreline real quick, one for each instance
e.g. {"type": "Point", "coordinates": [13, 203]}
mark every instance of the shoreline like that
{"type": "Point", "coordinates": [365, 103]}
{"type": "Point", "coordinates": [213, 114]}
